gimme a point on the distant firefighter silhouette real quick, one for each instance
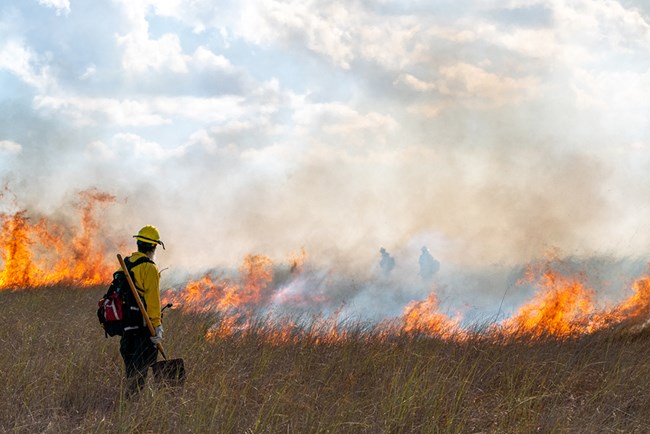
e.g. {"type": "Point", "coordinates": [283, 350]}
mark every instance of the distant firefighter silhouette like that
{"type": "Point", "coordinates": [387, 262]}
{"type": "Point", "coordinates": [428, 265]}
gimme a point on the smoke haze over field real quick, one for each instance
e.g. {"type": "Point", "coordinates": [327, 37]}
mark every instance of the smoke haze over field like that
{"type": "Point", "coordinates": [488, 134]}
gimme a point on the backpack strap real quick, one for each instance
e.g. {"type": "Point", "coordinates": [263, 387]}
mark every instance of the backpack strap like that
{"type": "Point", "coordinates": [130, 265]}
{"type": "Point", "coordinates": [142, 260]}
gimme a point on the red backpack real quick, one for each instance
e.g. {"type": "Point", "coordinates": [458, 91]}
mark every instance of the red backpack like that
{"type": "Point", "coordinates": [117, 310]}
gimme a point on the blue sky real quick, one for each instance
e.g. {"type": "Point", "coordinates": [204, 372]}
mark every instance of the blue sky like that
{"type": "Point", "coordinates": [488, 131]}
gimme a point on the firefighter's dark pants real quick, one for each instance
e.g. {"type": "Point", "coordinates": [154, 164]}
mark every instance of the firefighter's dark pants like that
{"type": "Point", "coordinates": [138, 353]}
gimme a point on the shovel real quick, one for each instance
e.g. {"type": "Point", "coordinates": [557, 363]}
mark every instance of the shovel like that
{"type": "Point", "coordinates": [168, 372]}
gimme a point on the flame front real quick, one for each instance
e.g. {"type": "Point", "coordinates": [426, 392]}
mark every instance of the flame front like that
{"type": "Point", "coordinates": [16, 253]}
{"type": "Point", "coordinates": [236, 301]}
{"type": "Point", "coordinates": [46, 253]}
{"type": "Point", "coordinates": [242, 304]}
{"type": "Point", "coordinates": [562, 308]}
{"type": "Point", "coordinates": [423, 317]}
{"type": "Point", "coordinates": [638, 305]}
{"type": "Point", "coordinates": [35, 251]}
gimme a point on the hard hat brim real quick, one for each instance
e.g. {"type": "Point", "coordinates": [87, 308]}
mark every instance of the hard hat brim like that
{"type": "Point", "coordinates": [149, 240]}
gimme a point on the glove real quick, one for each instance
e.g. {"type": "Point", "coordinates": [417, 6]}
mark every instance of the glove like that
{"type": "Point", "coordinates": [159, 335]}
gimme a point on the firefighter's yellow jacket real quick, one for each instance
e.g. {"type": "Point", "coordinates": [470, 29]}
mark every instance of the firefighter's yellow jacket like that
{"type": "Point", "coordinates": [147, 282]}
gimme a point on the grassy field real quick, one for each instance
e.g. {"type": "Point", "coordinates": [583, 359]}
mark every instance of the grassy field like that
{"type": "Point", "coordinates": [59, 374]}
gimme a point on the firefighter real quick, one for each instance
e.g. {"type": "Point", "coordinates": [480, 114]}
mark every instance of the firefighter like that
{"type": "Point", "coordinates": [137, 346]}
{"type": "Point", "coordinates": [428, 265]}
{"type": "Point", "coordinates": [387, 262]}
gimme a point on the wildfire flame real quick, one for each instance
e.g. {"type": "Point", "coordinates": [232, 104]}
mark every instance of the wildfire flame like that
{"type": "Point", "coordinates": [423, 317]}
{"type": "Point", "coordinates": [36, 251]}
{"type": "Point", "coordinates": [46, 253]}
{"type": "Point", "coordinates": [565, 307]}
{"type": "Point", "coordinates": [638, 305]}
{"type": "Point", "coordinates": [239, 301]}
{"type": "Point", "coordinates": [562, 308]}
{"type": "Point", "coordinates": [235, 300]}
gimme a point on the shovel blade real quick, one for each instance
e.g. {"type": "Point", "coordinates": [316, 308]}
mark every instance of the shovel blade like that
{"type": "Point", "coordinates": [169, 372]}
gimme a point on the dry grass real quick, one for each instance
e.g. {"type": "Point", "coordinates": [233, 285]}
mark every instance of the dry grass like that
{"type": "Point", "coordinates": [59, 374]}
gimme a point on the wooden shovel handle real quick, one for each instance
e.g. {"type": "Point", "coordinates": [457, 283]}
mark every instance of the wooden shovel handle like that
{"type": "Point", "coordinates": [140, 305]}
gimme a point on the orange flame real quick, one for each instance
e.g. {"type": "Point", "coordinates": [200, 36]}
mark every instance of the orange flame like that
{"type": "Point", "coordinates": [236, 301]}
{"type": "Point", "coordinates": [208, 294]}
{"type": "Point", "coordinates": [565, 308]}
{"type": "Point", "coordinates": [257, 272]}
{"type": "Point", "coordinates": [16, 251]}
{"type": "Point", "coordinates": [422, 317]}
{"type": "Point", "coordinates": [35, 251]}
{"type": "Point", "coordinates": [562, 309]}
{"type": "Point", "coordinates": [239, 302]}
{"type": "Point", "coordinates": [638, 305]}
{"type": "Point", "coordinates": [45, 253]}
{"type": "Point", "coordinates": [634, 311]}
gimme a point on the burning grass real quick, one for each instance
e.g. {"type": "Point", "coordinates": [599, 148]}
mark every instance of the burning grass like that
{"type": "Point", "coordinates": [59, 374]}
{"type": "Point", "coordinates": [563, 307]}
{"type": "Point", "coordinates": [560, 363]}
{"type": "Point", "coordinates": [36, 251]}
{"type": "Point", "coordinates": [40, 252]}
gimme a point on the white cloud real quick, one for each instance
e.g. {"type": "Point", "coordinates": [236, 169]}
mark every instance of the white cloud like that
{"type": "Point", "coordinates": [98, 150]}
{"type": "Point", "coordinates": [205, 58]}
{"type": "Point", "coordinates": [414, 83]}
{"type": "Point", "coordinates": [21, 61]}
{"type": "Point", "coordinates": [203, 139]}
{"type": "Point", "coordinates": [61, 6]}
{"type": "Point", "coordinates": [168, 8]}
{"type": "Point", "coordinates": [237, 136]}
{"type": "Point", "coordinates": [202, 109]}
{"type": "Point", "coordinates": [532, 43]}
{"type": "Point", "coordinates": [87, 111]}
{"type": "Point", "coordinates": [470, 85]}
{"type": "Point", "coordinates": [142, 54]}
{"type": "Point", "coordinates": [596, 29]}
{"type": "Point", "coordinates": [344, 122]}
{"type": "Point", "coordinates": [90, 71]}
{"type": "Point", "coordinates": [125, 146]}
{"type": "Point", "coordinates": [469, 82]}
{"type": "Point", "coordinates": [394, 43]}
{"type": "Point", "coordinates": [321, 26]}
{"type": "Point", "coordinates": [146, 149]}
{"type": "Point", "coordinates": [10, 147]}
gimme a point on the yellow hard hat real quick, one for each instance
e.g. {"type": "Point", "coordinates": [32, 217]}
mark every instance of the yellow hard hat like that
{"type": "Point", "coordinates": [149, 234]}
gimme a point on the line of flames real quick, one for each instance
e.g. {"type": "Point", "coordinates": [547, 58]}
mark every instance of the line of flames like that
{"type": "Point", "coordinates": [42, 253]}
{"type": "Point", "coordinates": [562, 307]}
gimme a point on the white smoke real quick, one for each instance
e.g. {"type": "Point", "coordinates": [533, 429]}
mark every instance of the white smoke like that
{"type": "Point", "coordinates": [489, 134]}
